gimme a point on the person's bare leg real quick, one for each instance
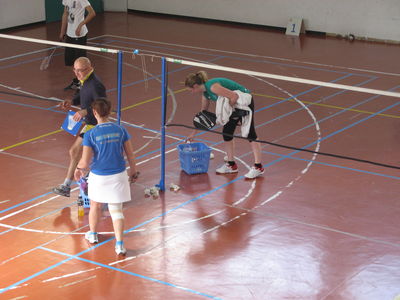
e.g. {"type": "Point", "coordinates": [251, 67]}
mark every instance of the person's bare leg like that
{"type": "Point", "coordinates": [118, 229]}
{"type": "Point", "coordinates": [75, 154]}
{"type": "Point", "coordinates": [256, 147]}
{"type": "Point", "coordinates": [230, 150]}
{"type": "Point", "coordinates": [94, 215]}
{"type": "Point", "coordinates": [117, 219]}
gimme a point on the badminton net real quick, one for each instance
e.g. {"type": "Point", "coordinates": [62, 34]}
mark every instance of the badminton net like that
{"type": "Point", "coordinates": [306, 116]}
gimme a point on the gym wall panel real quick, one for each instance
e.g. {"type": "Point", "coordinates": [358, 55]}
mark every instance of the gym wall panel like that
{"type": "Point", "coordinates": [377, 19]}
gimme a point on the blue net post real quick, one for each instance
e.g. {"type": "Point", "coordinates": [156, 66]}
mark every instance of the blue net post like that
{"type": "Point", "coordinates": [164, 85]}
{"type": "Point", "coordinates": [119, 86]}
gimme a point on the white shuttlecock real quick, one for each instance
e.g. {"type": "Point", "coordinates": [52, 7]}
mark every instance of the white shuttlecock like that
{"type": "Point", "coordinates": [147, 193]}
{"type": "Point", "coordinates": [174, 187]}
{"type": "Point", "coordinates": [154, 191]}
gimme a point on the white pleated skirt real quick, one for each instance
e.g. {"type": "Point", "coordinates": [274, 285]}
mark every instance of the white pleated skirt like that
{"type": "Point", "coordinates": [109, 188]}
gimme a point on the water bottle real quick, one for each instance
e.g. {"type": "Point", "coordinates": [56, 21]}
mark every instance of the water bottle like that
{"type": "Point", "coordinates": [81, 211]}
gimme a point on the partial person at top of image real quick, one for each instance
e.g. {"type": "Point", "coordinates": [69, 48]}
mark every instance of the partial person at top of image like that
{"type": "Point", "coordinates": [76, 14]}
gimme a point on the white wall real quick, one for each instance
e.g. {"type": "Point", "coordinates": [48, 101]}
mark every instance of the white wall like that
{"type": "Point", "coordinates": [21, 12]}
{"type": "Point", "coordinates": [115, 5]}
{"type": "Point", "coordinates": [378, 19]}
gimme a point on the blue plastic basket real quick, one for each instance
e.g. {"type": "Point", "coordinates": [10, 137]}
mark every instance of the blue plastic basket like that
{"type": "Point", "coordinates": [83, 187]}
{"type": "Point", "coordinates": [194, 157]}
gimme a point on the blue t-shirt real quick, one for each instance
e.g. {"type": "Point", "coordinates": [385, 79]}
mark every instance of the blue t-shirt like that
{"type": "Point", "coordinates": [107, 142]}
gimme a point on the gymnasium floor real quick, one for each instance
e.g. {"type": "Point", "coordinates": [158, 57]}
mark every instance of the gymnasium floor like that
{"type": "Point", "coordinates": [313, 227]}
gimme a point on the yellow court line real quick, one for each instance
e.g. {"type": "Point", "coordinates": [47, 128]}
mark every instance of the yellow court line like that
{"type": "Point", "coordinates": [331, 106]}
{"type": "Point", "coordinates": [150, 100]}
{"type": "Point", "coordinates": [31, 140]}
{"type": "Point", "coordinates": [59, 130]}
{"type": "Point", "coordinates": [184, 89]}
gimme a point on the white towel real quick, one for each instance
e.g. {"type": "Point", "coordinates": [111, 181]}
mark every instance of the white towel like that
{"type": "Point", "coordinates": [224, 110]}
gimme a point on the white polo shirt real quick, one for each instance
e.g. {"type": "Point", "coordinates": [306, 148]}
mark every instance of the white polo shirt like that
{"type": "Point", "coordinates": [76, 14]}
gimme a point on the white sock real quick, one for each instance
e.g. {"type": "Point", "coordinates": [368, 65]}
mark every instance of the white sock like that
{"type": "Point", "coordinates": [67, 182]}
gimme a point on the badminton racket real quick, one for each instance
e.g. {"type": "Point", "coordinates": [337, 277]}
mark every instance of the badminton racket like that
{"type": "Point", "coordinates": [46, 61]}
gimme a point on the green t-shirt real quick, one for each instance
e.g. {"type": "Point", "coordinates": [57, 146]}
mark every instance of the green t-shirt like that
{"type": "Point", "coordinates": [226, 83]}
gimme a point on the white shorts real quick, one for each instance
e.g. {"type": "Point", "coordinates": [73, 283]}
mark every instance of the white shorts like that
{"type": "Point", "coordinates": [109, 188]}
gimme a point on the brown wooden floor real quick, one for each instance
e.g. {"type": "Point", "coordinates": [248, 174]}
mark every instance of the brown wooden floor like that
{"type": "Point", "coordinates": [313, 227]}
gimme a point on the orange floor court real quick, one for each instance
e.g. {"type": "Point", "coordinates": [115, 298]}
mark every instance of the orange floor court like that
{"type": "Point", "coordinates": [312, 227]}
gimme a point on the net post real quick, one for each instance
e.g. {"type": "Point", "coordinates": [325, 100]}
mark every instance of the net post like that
{"type": "Point", "coordinates": [164, 85]}
{"type": "Point", "coordinates": [119, 86]}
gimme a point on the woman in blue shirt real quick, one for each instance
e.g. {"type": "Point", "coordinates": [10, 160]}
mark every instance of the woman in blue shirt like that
{"type": "Point", "coordinates": [103, 154]}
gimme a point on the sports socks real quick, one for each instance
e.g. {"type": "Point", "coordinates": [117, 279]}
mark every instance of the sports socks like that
{"type": "Point", "coordinates": [67, 182]}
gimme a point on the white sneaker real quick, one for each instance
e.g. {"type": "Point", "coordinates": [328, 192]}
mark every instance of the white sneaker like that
{"type": "Point", "coordinates": [91, 237]}
{"type": "Point", "coordinates": [254, 172]}
{"type": "Point", "coordinates": [227, 169]}
{"type": "Point", "coordinates": [120, 249]}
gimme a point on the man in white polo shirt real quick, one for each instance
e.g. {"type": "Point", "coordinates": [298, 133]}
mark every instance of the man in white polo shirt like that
{"type": "Point", "coordinates": [77, 13]}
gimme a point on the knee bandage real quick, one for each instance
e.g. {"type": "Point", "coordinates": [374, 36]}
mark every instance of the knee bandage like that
{"type": "Point", "coordinates": [115, 210]}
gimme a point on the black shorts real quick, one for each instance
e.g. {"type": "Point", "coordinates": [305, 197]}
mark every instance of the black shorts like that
{"type": "Point", "coordinates": [229, 128]}
{"type": "Point", "coordinates": [71, 54]}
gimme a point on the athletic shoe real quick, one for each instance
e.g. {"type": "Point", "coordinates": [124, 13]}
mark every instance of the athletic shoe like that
{"type": "Point", "coordinates": [120, 249]}
{"type": "Point", "coordinates": [62, 190]}
{"type": "Point", "coordinates": [91, 237]}
{"type": "Point", "coordinates": [254, 172]}
{"type": "Point", "coordinates": [227, 169]}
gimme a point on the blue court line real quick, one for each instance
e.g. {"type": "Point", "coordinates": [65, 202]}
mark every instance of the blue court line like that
{"type": "Point", "coordinates": [32, 106]}
{"type": "Point", "coordinates": [229, 56]}
{"type": "Point", "coordinates": [303, 93]}
{"type": "Point", "coordinates": [284, 156]}
{"type": "Point", "coordinates": [334, 133]}
{"type": "Point", "coordinates": [71, 257]}
{"type": "Point", "coordinates": [333, 165]}
{"type": "Point", "coordinates": [22, 203]}
{"type": "Point", "coordinates": [109, 41]}
{"type": "Point", "coordinates": [38, 218]}
{"type": "Point", "coordinates": [128, 272]}
{"type": "Point", "coordinates": [27, 201]}
{"type": "Point", "coordinates": [110, 239]}
{"type": "Point", "coordinates": [224, 185]}
{"type": "Point", "coordinates": [311, 104]}
{"type": "Point", "coordinates": [27, 61]}
{"type": "Point", "coordinates": [297, 66]}
{"type": "Point", "coordinates": [358, 122]}
{"type": "Point", "coordinates": [155, 151]}
{"type": "Point", "coordinates": [278, 160]}
{"type": "Point", "coordinates": [22, 55]}
{"type": "Point", "coordinates": [187, 202]}
{"type": "Point", "coordinates": [217, 58]}
{"type": "Point", "coordinates": [39, 51]}
{"type": "Point", "coordinates": [159, 76]}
